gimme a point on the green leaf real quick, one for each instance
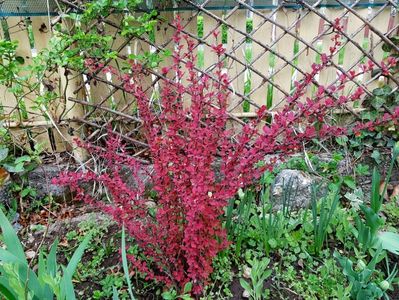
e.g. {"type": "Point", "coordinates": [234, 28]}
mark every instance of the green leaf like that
{"type": "Point", "coordinates": [6, 290]}
{"type": "Point", "coordinates": [375, 72]}
{"type": "Point", "coordinates": [25, 192]}
{"type": "Point", "coordinates": [377, 102]}
{"type": "Point", "coordinates": [52, 259]}
{"type": "Point", "coordinates": [22, 159]}
{"type": "Point", "coordinates": [114, 293]}
{"type": "Point", "coordinates": [346, 265]}
{"type": "Point", "coordinates": [395, 40]}
{"type": "Point", "coordinates": [41, 266]}
{"type": "Point", "coordinates": [76, 257]}
{"type": "Point", "coordinates": [387, 48]}
{"type": "Point", "coordinates": [12, 168]}
{"type": "Point", "coordinates": [3, 154]}
{"type": "Point", "coordinates": [377, 156]}
{"type": "Point", "coordinates": [383, 91]}
{"type": "Point", "coordinates": [124, 263]}
{"type": "Point", "coordinates": [66, 281]}
{"type": "Point", "coordinates": [168, 295]}
{"type": "Point", "coordinates": [67, 290]}
{"type": "Point", "coordinates": [362, 170]}
{"type": "Point", "coordinates": [389, 241]}
{"type": "Point", "coordinates": [350, 182]}
{"type": "Point", "coordinates": [395, 151]}
{"type": "Point", "coordinates": [245, 284]}
{"type": "Point", "coordinates": [23, 270]}
{"type": "Point", "coordinates": [272, 243]}
{"type": "Point", "coordinates": [187, 288]}
{"type": "Point", "coordinates": [376, 198]}
{"type": "Point", "coordinates": [11, 240]}
{"type": "Point", "coordinates": [341, 140]}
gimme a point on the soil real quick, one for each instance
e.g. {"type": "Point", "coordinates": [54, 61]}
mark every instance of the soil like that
{"type": "Point", "coordinates": [60, 228]}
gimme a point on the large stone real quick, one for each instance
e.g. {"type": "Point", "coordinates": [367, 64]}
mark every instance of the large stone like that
{"type": "Point", "coordinates": [40, 180]}
{"type": "Point", "coordinates": [293, 188]}
{"type": "Point", "coordinates": [344, 167]}
{"type": "Point", "coordinates": [144, 176]}
{"type": "Point", "coordinates": [97, 217]}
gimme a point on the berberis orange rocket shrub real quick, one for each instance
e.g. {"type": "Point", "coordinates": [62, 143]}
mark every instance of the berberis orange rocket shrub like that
{"type": "Point", "coordinates": [180, 238]}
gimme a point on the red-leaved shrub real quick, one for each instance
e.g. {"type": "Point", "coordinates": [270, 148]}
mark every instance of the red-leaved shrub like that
{"type": "Point", "coordinates": [180, 237]}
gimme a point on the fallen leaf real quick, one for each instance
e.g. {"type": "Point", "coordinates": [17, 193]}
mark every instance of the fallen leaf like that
{"type": "Point", "coordinates": [4, 176]}
{"type": "Point", "coordinates": [395, 193]}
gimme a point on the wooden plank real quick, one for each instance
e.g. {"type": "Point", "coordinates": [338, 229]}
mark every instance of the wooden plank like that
{"type": "Point", "coordinates": [126, 101]}
{"type": "Point", "coordinates": [312, 25]}
{"type": "Point", "coordinates": [7, 99]}
{"type": "Point", "coordinates": [42, 35]}
{"type": "Point", "coordinates": [352, 53]}
{"type": "Point", "coordinates": [41, 32]}
{"type": "Point", "coordinates": [163, 37]}
{"type": "Point", "coordinates": [189, 22]}
{"type": "Point", "coordinates": [381, 22]}
{"type": "Point", "coordinates": [60, 144]}
{"type": "Point", "coordinates": [119, 99]}
{"type": "Point", "coordinates": [262, 34]}
{"type": "Point", "coordinates": [210, 25]}
{"type": "Point", "coordinates": [235, 69]}
{"type": "Point", "coordinates": [73, 110]}
{"type": "Point", "coordinates": [18, 32]}
{"type": "Point", "coordinates": [284, 47]}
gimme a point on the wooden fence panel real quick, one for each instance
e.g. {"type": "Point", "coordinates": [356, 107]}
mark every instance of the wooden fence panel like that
{"type": "Point", "coordinates": [235, 69]}
{"type": "Point", "coordinates": [284, 48]}
{"type": "Point", "coordinates": [41, 134]}
{"type": "Point", "coordinates": [261, 59]}
{"type": "Point", "coordinates": [266, 51]}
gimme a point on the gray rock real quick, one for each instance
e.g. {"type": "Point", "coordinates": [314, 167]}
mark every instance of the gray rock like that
{"type": "Point", "coordinates": [143, 174]}
{"type": "Point", "coordinates": [15, 224]}
{"type": "Point", "coordinates": [293, 188]}
{"type": "Point", "coordinates": [5, 199]}
{"type": "Point", "coordinates": [5, 193]}
{"type": "Point", "coordinates": [40, 180]}
{"type": "Point", "coordinates": [344, 167]}
{"type": "Point", "coordinates": [74, 222]}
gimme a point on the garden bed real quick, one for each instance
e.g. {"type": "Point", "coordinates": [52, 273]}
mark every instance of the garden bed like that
{"type": "Point", "coordinates": [295, 273]}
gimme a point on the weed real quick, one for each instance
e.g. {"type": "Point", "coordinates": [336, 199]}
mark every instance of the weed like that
{"type": "Point", "coordinates": [364, 284]}
{"type": "Point", "coordinates": [258, 273]}
{"type": "Point", "coordinates": [322, 214]}
{"type": "Point", "coordinates": [19, 281]}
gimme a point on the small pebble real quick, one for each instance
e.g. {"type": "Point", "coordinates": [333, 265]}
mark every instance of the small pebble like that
{"type": "Point", "coordinates": [247, 272]}
{"type": "Point", "coordinates": [30, 254]}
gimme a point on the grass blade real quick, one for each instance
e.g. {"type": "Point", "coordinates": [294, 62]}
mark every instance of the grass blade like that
{"type": "Point", "coordinates": [66, 281]}
{"type": "Point", "coordinates": [52, 259]}
{"type": "Point", "coordinates": [114, 294]}
{"type": "Point", "coordinates": [124, 263]}
{"type": "Point", "coordinates": [375, 191]}
{"type": "Point", "coordinates": [67, 289]}
{"type": "Point", "coordinates": [6, 290]}
{"type": "Point", "coordinates": [11, 239]}
{"type": "Point", "coordinates": [76, 257]}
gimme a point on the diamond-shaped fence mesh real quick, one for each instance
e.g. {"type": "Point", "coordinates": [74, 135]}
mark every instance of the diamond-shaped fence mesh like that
{"type": "Point", "coordinates": [28, 7]}
{"type": "Point", "coordinates": [269, 46]}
